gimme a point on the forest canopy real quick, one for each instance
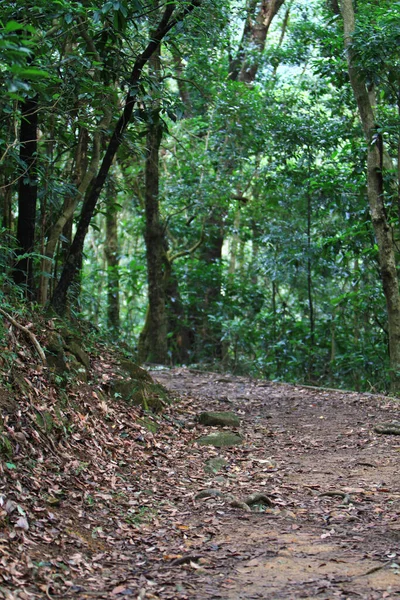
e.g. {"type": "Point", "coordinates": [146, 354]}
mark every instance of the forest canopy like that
{"type": "Point", "coordinates": [213, 184]}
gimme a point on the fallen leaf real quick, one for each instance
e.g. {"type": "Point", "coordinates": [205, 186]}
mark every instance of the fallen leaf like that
{"type": "Point", "coordinates": [22, 523]}
{"type": "Point", "coordinates": [118, 590]}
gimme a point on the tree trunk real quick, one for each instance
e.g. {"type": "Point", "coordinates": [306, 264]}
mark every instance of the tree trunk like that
{"type": "Point", "coordinates": [27, 195]}
{"type": "Point", "coordinates": [382, 228]}
{"type": "Point", "coordinates": [311, 317]}
{"type": "Point", "coordinates": [112, 256]}
{"type": "Point", "coordinates": [257, 37]}
{"type": "Point", "coordinates": [153, 339]}
{"type": "Point", "coordinates": [180, 338]}
{"type": "Point", "coordinates": [234, 242]}
{"type": "Point", "coordinates": [236, 63]}
{"type": "Point", "coordinates": [209, 292]}
{"type": "Point", "coordinates": [153, 345]}
{"type": "Point", "coordinates": [182, 86]}
{"type": "Point", "coordinates": [6, 205]}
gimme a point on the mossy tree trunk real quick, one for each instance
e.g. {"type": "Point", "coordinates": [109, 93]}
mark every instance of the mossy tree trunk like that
{"type": "Point", "coordinates": [153, 346]}
{"type": "Point", "coordinates": [376, 160]}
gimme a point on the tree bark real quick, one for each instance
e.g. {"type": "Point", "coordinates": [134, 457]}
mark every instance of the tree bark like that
{"type": "Point", "coordinates": [6, 205]}
{"type": "Point", "coordinates": [167, 22]}
{"type": "Point", "coordinates": [311, 316]}
{"type": "Point", "coordinates": [209, 290]}
{"type": "Point", "coordinates": [153, 346]}
{"type": "Point", "coordinates": [236, 63]}
{"type": "Point", "coordinates": [382, 228]}
{"type": "Point", "coordinates": [182, 86]}
{"type": "Point", "coordinates": [70, 204]}
{"type": "Point", "coordinates": [27, 195]}
{"type": "Point", "coordinates": [112, 256]}
{"type": "Point", "coordinates": [257, 38]}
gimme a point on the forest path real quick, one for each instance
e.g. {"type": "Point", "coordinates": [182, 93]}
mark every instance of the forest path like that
{"type": "Point", "coordinates": [111, 510]}
{"type": "Point", "coordinates": [299, 444]}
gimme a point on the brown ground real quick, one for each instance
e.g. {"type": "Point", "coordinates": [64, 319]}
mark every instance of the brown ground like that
{"type": "Point", "coordinates": [126, 524]}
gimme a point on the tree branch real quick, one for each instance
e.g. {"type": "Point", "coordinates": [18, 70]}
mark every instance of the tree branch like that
{"type": "Point", "coordinates": [189, 251]}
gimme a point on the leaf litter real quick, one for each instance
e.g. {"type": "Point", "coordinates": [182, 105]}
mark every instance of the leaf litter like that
{"type": "Point", "coordinates": [94, 504]}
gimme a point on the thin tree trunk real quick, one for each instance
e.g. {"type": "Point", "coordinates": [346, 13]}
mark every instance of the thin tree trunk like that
{"type": "Point", "coordinates": [236, 63]}
{"type": "Point", "coordinates": [153, 346]}
{"type": "Point", "coordinates": [310, 289]}
{"type": "Point", "coordinates": [382, 228]}
{"type": "Point", "coordinates": [234, 242]}
{"type": "Point", "coordinates": [180, 338]}
{"type": "Point", "coordinates": [6, 205]}
{"type": "Point", "coordinates": [211, 254]}
{"type": "Point", "coordinates": [27, 195]}
{"type": "Point", "coordinates": [398, 160]}
{"type": "Point", "coordinates": [112, 255]}
{"type": "Point", "coordinates": [255, 251]}
{"type": "Point", "coordinates": [282, 36]}
{"type": "Point", "coordinates": [333, 336]}
{"type": "Point", "coordinates": [83, 182]}
{"type": "Point", "coordinates": [6, 187]}
{"type": "Point", "coordinates": [182, 86]}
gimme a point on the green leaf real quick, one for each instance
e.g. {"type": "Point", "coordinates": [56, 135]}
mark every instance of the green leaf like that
{"type": "Point", "coordinates": [30, 72]}
{"type": "Point", "coordinates": [13, 26]}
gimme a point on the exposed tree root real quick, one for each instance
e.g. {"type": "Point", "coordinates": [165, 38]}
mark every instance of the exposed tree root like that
{"type": "Point", "coordinates": [25, 330]}
{"type": "Point", "coordinates": [234, 501]}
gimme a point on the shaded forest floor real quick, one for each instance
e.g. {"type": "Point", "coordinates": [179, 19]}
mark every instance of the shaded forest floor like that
{"type": "Point", "coordinates": [111, 511]}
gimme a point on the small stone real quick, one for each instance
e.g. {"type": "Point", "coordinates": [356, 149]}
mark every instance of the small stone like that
{"type": "Point", "coordinates": [223, 439]}
{"type": "Point", "coordinates": [214, 465]}
{"type": "Point", "coordinates": [219, 419]}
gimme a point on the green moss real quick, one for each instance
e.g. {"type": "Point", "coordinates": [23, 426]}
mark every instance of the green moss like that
{"type": "Point", "coordinates": [214, 465]}
{"type": "Point", "coordinates": [74, 348]}
{"type": "Point", "coordinates": [6, 449]}
{"type": "Point", "coordinates": [219, 419]}
{"type": "Point", "coordinates": [223, 439]}
{"type": "Point", "coordinates": [151, 396]}
{"type": "Point", "coordinates": [148, 424]}
{"type": "Point", "coordinates": [45, 421]}
{"type": "Point", "coordinates": [134, 371]}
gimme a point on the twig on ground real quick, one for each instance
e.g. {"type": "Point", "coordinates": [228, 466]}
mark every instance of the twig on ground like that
{"type": "Point", "coordinates": [373, 570]}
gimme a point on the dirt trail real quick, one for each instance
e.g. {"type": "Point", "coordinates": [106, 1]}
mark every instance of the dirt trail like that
{"type": "Point", "coordinates": [109, 511]}
{"type": "Point", "coordinates": [299, 445]}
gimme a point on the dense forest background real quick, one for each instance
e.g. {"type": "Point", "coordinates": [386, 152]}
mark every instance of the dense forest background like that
{"type": "Point", "coordinates": [211, 183]}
